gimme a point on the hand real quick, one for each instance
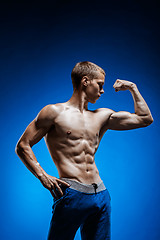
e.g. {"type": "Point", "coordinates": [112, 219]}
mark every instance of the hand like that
{"type": "Point", "coordinates": [53, 184]}
{"type": "Point", "coordinates": [121, 85]}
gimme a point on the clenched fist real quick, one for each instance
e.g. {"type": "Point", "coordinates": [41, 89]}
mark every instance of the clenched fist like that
{"type": "Point", "coordinates": [121, 85]}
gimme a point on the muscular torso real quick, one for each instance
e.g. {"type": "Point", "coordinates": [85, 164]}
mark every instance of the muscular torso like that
{"type": "Point", "coordinates": [73, 140]}
{"type": "Point", "coordinates": [73, 136]}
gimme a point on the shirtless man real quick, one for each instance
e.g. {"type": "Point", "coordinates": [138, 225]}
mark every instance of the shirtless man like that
{"type": "Point", "coordinates": [72, 134]}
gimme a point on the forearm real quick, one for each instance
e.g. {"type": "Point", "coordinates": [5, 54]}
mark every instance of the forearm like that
{"type": "Point", "coordinates": [140, 106]}
{"type": "Point", "coordinates": [27, 156]}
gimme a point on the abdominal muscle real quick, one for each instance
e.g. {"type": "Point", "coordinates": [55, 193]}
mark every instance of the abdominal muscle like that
{"type": "Point", "coordinates": [74, 159]}
{"type": "Point", "coordinates": [81, 172]}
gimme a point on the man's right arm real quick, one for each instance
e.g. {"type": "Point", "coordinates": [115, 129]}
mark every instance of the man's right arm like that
{"type": "Point", "coordinates": [35, 131]}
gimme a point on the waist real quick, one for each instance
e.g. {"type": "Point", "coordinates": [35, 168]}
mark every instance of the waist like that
{"type": "Point", "coordinates": [85, 188]}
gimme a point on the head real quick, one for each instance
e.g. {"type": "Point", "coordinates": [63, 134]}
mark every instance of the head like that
{"type": "Point", "coordinates": [90, 78]}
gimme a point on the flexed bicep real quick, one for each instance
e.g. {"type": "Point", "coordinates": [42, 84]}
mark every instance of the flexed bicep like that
{"type": "Point", "coordinates": [123, 120]}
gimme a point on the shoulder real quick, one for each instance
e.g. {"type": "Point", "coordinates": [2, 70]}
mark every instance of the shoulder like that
{"type": "Point", "coordinates": [48, 114]}
{"type": "Point", "coordinates": [102, 115]}
{"type": "Point", "coordinates": [104, 112]}
{"type": "Point", "coordinates": [51, 109]}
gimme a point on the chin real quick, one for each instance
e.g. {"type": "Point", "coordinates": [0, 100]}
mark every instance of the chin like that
{"type": "Point", "coordinates": [93, 101]}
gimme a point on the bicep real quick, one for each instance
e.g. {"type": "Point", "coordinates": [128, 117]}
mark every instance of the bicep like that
{"type": "Point", "coordinates": [124, 121]}
{"type": "Point", "coordinates": [33, 133]}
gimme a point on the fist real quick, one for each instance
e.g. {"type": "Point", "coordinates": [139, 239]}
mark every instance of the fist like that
{"type": "Point", "coordinates": [121, 85]}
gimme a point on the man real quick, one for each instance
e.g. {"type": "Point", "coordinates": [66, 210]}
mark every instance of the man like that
{"type": "Point", "coordinates": [72, 134]}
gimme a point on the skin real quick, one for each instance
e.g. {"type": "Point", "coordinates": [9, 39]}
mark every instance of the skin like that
{"type": "Point", "coordinates": [73, 133]}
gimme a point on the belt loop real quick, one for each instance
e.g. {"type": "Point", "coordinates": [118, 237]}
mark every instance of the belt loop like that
{"type": "Point", "coordinates": [95, 187]}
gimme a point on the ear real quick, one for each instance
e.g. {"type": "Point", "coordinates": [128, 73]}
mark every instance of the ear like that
{"type": "Point", "coordinates": [85, 81]}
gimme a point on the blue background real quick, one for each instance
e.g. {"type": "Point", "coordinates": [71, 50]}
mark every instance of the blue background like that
{"type": "Point", "coordinates": [40, 44]}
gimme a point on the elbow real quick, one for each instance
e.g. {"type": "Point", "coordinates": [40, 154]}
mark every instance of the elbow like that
{"type": "Point", "coordinates": [151, 120]}
{"type": "Point", "coordinates": [148, 121]}
{"type": "Point", "coordinates": [19, 147]}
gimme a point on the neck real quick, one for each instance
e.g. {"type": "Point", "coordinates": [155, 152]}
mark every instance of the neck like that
{"type": "Point", "coordinates": [78, 100]}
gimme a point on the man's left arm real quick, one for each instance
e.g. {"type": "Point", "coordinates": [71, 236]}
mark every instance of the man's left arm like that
{"type": "Point", "coordinates": [124, 120]}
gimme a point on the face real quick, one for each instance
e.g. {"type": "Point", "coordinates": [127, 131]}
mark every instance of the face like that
{"type": "Point", "coordinates": [94, 88]}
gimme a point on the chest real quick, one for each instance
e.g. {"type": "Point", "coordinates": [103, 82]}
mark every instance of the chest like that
{"type": "Point", "coordinates": [75, 125]}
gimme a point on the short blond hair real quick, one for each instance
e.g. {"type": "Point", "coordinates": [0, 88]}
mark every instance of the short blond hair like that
{"type": "Point", "coordinates": [82, 69]}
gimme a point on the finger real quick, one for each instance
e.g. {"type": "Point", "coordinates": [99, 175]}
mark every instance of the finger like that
{"type": "Point", "coordinates": [114, 85]}
{"type": "Point", "coordinates": [117, 81]}
{"type": "Point", "coordinates": [59, 189]}
{"type": "Point", "coordinates": [63, 183]}
{"type": "Point", "coordinates": [117, 84]}
{"type": "Point", "coordinates": [54, 195]}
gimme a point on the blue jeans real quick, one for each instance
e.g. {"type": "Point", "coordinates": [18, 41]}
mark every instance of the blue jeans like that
{"type": "Point", "coordinates": [89, 211]}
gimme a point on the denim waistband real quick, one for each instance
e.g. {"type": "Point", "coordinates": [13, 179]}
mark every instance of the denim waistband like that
{"type": "Point", "coordinates": [85, 188]}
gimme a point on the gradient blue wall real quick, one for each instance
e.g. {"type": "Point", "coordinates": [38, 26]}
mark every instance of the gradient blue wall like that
{"type": "Point", "coordinates": [40, 44]}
